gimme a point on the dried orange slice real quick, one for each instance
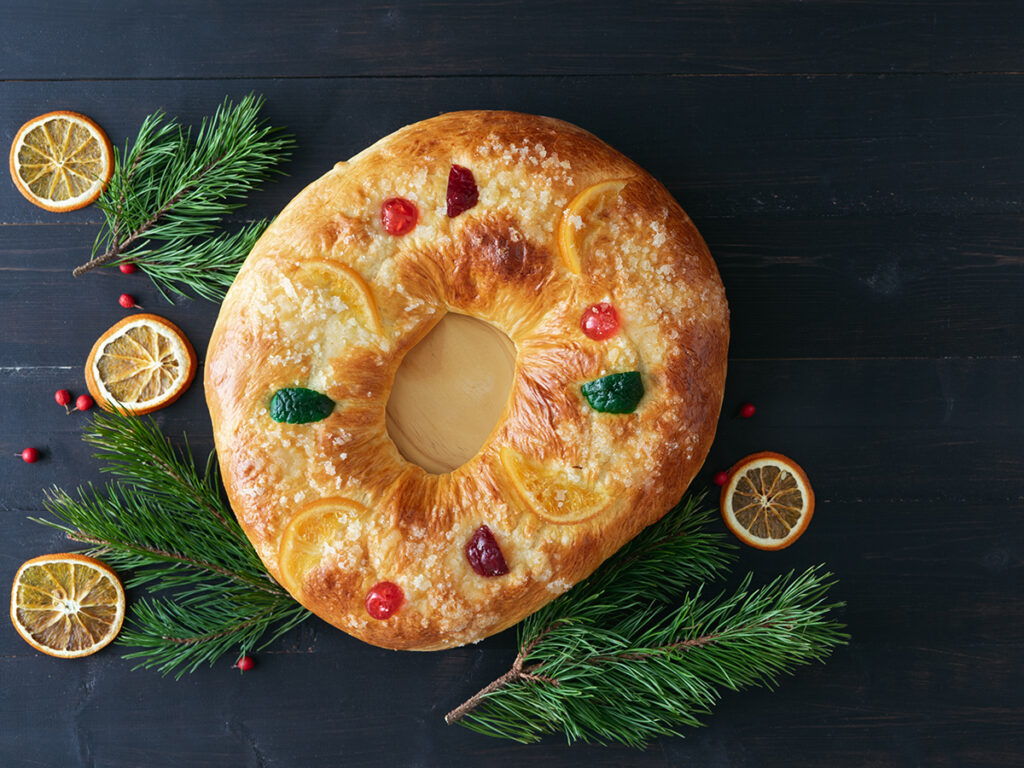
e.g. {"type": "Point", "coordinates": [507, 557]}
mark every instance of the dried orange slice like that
{"type": "Point", "coordinates": [768, 501]}
{"type": "Point", "coordinates": [552, 492]}
{"type": "Point", "coordinates": [580, 215]}
{"type": "Point", "coordinates": [310, 536]}
{"type": "Point", "coordinates": [61, 161]}
{"type": "Point", "coordinates": [346, 283]}
{"type": "Point", "coordinates": [140, 364]}
{"type": "Point", "coordinates": [67, 605]}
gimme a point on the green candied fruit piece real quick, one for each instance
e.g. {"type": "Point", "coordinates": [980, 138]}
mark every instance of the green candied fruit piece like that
{"type": "Point", "coordinates": [297, 405]}
{"type": "Point", "coordinates": [615, 393]}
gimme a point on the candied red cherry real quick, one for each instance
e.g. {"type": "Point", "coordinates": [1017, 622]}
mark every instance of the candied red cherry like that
{"type": "Point", "coordinates": [484, 554]}
{"type": "Point", "coordinates": [462, 192]}
{"type": "Point", "coordinates": [398, 216]}
{"type": "Point", "coordinates": [600, 321]}
{"type": "Point", "coordinates": [384, 599]}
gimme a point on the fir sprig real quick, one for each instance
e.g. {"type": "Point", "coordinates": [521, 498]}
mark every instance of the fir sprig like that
{"type": "Point", "coordinates": [608, 661]}
{"type": "Point", "coordinates": [636, 651]}
{"type": "Point", "coordinates": [169, 194]}
{"type": "Point", "coordinates": [656, 566]}
{"type": "Point", "coordinates": [166, 524]}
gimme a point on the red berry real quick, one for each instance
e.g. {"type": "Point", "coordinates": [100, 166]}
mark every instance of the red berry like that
{"type": "Point", "coordinates": [600, 321]}
{"type": "Point", "coordinates": [62, 396]}
{"type": "Point", "coordinates": [398, 216]}
{"type": "Point", "coordinates": [127, 268]}
{"type": "Point", "coordinates": [484, 554]}
{"type": "Point", "coordinates": [245, 663]}
{"type": "Point", "coordinates": [747, 410]}
{"type": "Point", "coordinates": [83, 403]}
{"type": "Point", "coordinates": [126, 300]}
{"type": "Point", "coordinates": [384, 599]}
{"type": "Point", "coordinates": [30, 455]}
{"type": "Point", "coordinates": [721, 478]}
{"type": "Point", "coordinates": [462, 192]}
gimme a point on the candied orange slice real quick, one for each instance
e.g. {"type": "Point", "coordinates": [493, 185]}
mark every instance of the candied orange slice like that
{"type": "Point", "coordinates": [579, 218]}
{"type": "Point", "coordinates": [140, 364]}
{"type": "Point", "coordinates": [61, 161]}
{"type": "Point", "coordinates": [67, 605]}
{"type": "Point", "coordinates": [768, 501]}
{"type": "Point", "coordinates": [310, 536]}
{"type": "Point", "coordinates": [550, 491]}
{"type": "Point", "coordinates": [346, 283]}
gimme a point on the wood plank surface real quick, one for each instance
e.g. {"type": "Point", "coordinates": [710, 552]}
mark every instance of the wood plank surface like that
{"type": "Point", "coordinates": [802, 287]}
{"type": "Point", "coordinates": [931, 677]}
{"type": "Point", "coordinates": [322, 39]}
{"type": "Point", "coordinates": [956, 422]}
{"type": "Point", "coordinates": [857, 169]}
{"type": "Point", "coordinates": [725, 146]}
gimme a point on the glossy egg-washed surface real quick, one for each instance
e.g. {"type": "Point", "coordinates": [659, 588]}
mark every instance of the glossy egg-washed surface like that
{"type": "Point", "coordinates": [559, 485]}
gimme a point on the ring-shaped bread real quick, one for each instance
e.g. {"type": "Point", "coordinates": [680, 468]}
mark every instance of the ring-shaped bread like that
{"type": "Point", "coordinates": [330, 301]}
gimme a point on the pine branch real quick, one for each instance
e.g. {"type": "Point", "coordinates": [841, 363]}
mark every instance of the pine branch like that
{"type": "Point", "coordinates": [657, 566]}
{"type": "Point", "coordinates": [628, 655]}
{"type": "Point", "coordinates": [167, 525]}
{"type": "Point", "coordinates": [136, 450]}
{"type": "Point", "coordinates": [609, 661]}
{"type": "Point", "coordinates": [206, 266]}
{"type": "Point", "coordinates": [196, 632]}
{"type": "Point", "coordinates": [169, 195]}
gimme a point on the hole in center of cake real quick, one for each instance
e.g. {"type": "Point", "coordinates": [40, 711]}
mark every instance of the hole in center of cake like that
{"type": "Point", "coordinates": [449, 393]}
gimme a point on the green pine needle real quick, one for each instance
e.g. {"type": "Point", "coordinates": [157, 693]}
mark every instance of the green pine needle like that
{"type": "Point", "coordinates": [166, 524]}
{"type": "Point", "coordinates": [657, 566]}
{"type": "Point", "coordinates": [168, 197]}
{"type": "Point", "coordinates": [609, 661]}
{"type": "Point", "coordinates": [636, 651]}
{"type": "Point", "coordinates": [206, 266]}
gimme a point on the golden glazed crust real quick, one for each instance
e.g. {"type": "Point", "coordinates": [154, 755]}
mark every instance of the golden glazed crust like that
{"type": "Point", "coordinates": [284, 325]}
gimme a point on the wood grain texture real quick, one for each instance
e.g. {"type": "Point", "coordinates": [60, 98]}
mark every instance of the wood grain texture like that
{"type": "Point", "coordinates": [856, 167]}
{"type": "Point", "coordinates": [854, 287]}
{"type": "Point", "coordinates": [951, 426]}
{"type": "Point", "coordinates": [322, 39]}
{"type": "Point", "coordinates": [830, 146]}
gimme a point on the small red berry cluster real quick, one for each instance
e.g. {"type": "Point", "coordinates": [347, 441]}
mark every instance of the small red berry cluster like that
{"type": "Point", "coordinates": [126, 300]}
{"type": "Point", "coordinates": [63, 397]}
{"type": "Point", "coordinates": [82, 402]}
{"type": "Point", "coordinates": [746, 411]}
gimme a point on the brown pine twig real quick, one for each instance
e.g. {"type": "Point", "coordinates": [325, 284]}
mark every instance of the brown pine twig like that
{"type": "Point", "coordinates": [174, 556]}
{"type": "Point", "coordinates": [118, 248]}
{"type": "Point", "coordinates": [515, 674]}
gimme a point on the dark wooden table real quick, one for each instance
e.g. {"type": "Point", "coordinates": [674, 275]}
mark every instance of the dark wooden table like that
{"type": "Point", "coordinates": [857, 169]}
